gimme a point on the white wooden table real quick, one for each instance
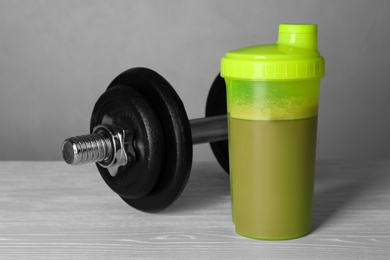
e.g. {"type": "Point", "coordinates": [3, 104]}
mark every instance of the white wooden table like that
{"type": "Point", "coordinates": [49, 210]}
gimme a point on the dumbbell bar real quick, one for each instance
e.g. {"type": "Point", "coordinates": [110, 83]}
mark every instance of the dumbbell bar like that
{"type": "Point", "coordinates": [142, 139]}
{"type": "Point", "coordinates": [103, 146]}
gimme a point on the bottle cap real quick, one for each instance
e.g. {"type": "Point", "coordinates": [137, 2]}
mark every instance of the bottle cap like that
{"type": "Point", "coordinates": [293, 56]}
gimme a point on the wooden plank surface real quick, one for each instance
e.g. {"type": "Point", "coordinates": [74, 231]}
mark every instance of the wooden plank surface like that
{"type": "Point", "coordinates": [49, 210]}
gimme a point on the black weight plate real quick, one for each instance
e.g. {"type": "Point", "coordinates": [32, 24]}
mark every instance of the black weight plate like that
{"type": "Point", "coordinates": [177, 136]}
{"type": "Point", "coordinates": [129, 110]}
{"type": "Point", "coordinates": [216, 105]}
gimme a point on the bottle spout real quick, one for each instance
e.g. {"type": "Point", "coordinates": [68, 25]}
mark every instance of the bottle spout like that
{"type": "Point", "coordinates": [298, 35]}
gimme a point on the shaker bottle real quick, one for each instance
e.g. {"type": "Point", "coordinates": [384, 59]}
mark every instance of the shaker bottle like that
{"type": "Point", "coordinates": [272, 96]}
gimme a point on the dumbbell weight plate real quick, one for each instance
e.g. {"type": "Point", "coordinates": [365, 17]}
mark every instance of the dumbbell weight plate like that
{"type": "Point", "coordinates": [216, 105]}
{"type": "Point", "coordinates": [172, 116]}
{"type": "Point", "coordinates": [126, 108]}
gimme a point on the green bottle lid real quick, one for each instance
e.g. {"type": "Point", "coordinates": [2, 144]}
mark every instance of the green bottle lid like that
{"type": "Point", "coordinates": [293, 56]}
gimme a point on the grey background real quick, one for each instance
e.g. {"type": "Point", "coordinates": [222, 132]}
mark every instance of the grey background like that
{"type": "Point", "coordinates": [57, 57]}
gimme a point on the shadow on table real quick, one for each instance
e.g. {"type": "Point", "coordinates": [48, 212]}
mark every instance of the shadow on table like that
{"type": "Point", "coordinates": [207, 188]}
{"type": "Point", "coordinates": [338, 186]}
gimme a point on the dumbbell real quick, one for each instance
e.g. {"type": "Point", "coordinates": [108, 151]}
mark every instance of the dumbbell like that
{"type": "Point", "coordinates": [141, 139]}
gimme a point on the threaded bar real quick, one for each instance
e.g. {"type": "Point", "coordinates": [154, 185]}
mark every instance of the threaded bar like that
{"type": "Point", "coordinates": [86, 149]}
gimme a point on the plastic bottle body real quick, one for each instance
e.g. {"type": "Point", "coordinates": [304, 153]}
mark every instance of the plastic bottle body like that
{"type": "Point", "coordinates": [272, 144]}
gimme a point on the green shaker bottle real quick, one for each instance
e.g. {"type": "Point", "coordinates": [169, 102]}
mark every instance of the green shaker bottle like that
{"type": "Point", "coordinates": [272, 96]}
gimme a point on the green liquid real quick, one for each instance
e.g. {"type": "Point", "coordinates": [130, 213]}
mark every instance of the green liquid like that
{"type": "Point", "coordinates": [272, 176]}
